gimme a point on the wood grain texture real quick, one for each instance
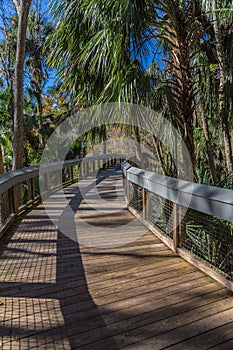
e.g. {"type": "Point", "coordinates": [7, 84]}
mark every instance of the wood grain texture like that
{"type": "Point", "coordinates": [58, 294]}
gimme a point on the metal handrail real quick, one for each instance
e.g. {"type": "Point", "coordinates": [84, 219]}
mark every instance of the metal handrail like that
{"type": "Point", "coordinates": [194, 220]}
{"type": "Point", "coordinates": [210, 200]}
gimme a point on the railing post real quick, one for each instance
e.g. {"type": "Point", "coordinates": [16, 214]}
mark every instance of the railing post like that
{"type": "Point", "coordinates": [72, 173]}
{"type": "Point", "coordinates": [144, 200]}
{"type": "Point", "coordinates": [5, 207]}
{"type": "Point", "coordinates": [10, 200]}
{"type": "Point", "coordinates": [47, 182]}
{"type": "Point", "coordinates": [127, 191]}
{"type": "Point", "coordinates": [15, 199]}
{"type": "Point", "coordinates": [80, 170]}
{"type": "Point", "coordinates": [176, 237]}
{"type": "Point", "coordinates": [182, 226]}
{"type": "Point", "coordinates": [59, 178]}
{"type": "Point", "coordinates": [32, 188]}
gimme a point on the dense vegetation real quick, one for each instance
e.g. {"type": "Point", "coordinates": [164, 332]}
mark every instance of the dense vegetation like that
{"type": "Point", "coordinates": [173, 56]}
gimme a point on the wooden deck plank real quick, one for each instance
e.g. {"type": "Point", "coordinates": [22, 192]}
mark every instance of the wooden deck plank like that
{"type": "Point", "coordinates": [209, 338]}
{"type": "Point", "coordinates": [162, 338]}
{"type": "Point", "coordinates": [58, 294]}
{"type": "Point", "coordinates": [227, 345]}
{"type": "Point", "coordinates": [156, 323]}
{"type": "Point", "coordinates": [87, 333]}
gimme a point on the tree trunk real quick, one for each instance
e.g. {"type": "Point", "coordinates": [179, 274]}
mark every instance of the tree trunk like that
{"type": "Point", "coordinates": [162, 159]}
{"type": "Point", "coordinates": [2, 169]}
{"type": "Point", "coordinates": [4, 203]}
{"type": "Point", "coordinates": [1, 199]}
{"type": "Point", "coordinates": [222, 73]}
{"type": "Point", "coordinates": [39, 108]}
{"type": "Point", "coordinates": [18, 142]}
{"type": "Point", "coordinates": [209, 148]}
{"type": "Point", "coordinates": [138, 151]}
{"type": "Point", "coordinates": [189, 158]}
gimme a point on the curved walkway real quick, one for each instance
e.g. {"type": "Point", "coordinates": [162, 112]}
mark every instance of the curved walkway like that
{"type": "Point", "coordinates": [57, 293]}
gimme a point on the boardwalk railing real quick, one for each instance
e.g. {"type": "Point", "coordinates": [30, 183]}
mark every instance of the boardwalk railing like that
{"type": "Point", "coordinates": [20, 189]}
{"type": "Point", "coordinates": [195, 221]}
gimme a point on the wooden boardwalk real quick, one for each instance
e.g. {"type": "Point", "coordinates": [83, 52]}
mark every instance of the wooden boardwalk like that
{"type": "Point", "coordinates": [59, 294]}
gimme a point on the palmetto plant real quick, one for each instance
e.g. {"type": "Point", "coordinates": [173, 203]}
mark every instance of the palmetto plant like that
{"type": "Point", "coordinates": [211, 239]}
{"type": "Point", "coordinates": [95, 45]}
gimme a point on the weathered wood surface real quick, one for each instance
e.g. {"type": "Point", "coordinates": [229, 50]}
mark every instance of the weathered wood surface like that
{"type": "Point", "coordinates": [58, 294]}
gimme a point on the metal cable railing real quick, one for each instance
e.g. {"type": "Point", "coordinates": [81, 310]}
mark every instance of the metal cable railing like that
{"type": "Point", "coordinates": [210, 239]}
{"type": "Point", "coordinates": [196, 221]}
{"type": "Point", "coordinates": [159, 212]}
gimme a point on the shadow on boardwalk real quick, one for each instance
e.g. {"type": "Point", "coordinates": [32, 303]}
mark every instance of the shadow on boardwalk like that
{"type": "Point", "coordinates": [60, 295]}
{"type": "Point", "coordinates": [46, 301]}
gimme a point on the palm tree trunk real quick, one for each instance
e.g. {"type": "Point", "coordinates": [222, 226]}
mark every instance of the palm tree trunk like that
{"type": "Point", "coordinates": [209, 148]}
{"type": "Point", "coordinates": [223, 112]}
{"type": "Point", "coordinates": [189, 158]}
{"type": "Point", "coordinates": [138, 152]}
{"type": "Point", "coordinates": [160, 156]}
{"type": "Point", "coordinates": [39, 108]}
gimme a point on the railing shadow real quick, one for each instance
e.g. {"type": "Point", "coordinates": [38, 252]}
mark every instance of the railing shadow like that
{"type": "Point", "coordinates": [76, 303]}
{"type": "Point", "coordinates": [46, 300]}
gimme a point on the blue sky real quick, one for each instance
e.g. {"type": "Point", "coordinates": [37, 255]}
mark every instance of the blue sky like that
{"type": "Point", "coordinates": [45, 5]}
{"type": "Point", "coordinates": [146, 61]}
{"type": "Point", "coordinates": [8, 9]}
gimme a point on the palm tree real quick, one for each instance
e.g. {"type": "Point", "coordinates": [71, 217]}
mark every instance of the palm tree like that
{"type": "Point", "coordinates": [205, 109]}
{"type": "Point", "coordinates": [98, 57]}
{"type": "Point", "coordinates": [220, 15]}
{"type": "Point", "coordinates": [95, 50]}
{"type": "Point", "coordinates": [179, 32]}
{"type": "Point", "coordinates": [97, 47]}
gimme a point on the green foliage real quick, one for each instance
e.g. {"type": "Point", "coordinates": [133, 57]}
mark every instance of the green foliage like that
{"type": "Point", "coordinates": [99, 49]}
{"type": "Point", "coordinates": [6, 128]}
{"type": "Point", "coordinates": [97, 46]}
{"type": "Point", "coordinates": [210, 239]}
